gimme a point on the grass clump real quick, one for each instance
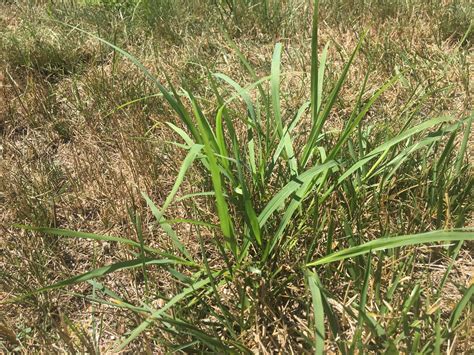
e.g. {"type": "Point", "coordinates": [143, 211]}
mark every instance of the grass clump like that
{"type": "Point", "coordinates": [280, 228]}
{"type": "Point", "coordinates": [49, 52]}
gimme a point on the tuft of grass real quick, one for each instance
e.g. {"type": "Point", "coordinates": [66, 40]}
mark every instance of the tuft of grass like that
{"type": "Point", "coordinates": [279, 230]}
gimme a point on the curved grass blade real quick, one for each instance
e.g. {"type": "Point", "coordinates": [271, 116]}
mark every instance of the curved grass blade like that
{"type": "Point", "coordinates": [465, 301]}
{"type": "Point", "coordinates": [175, 104]}
{"type": "Point", "coordinates": [395, 242]}
{"type": "Point", "coordinates": [400, 158]}
{"type": "Point", "coordinates": [93, 274]}
{"type": "Point", "coordinates": [188, 161]}
{"type": "Point", "coordinates": [155, 315]}
{"type": "Point", "coordinates": [82, 235]}
{"type": "Point", "coordinates": [383, 148]}
{"type": "Point", "coordinates": [166, 226]}
{"type": "Point", "coordinates": [131, 102]}
{"type": "Point", "coordinates": [243, 93]}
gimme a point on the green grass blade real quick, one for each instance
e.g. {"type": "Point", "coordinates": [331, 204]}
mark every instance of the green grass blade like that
{"type": "Point", "coordinates": [182, 134]}
{"type": "Point", "coordinates": [318, 310]}
{"type": "Point", "coordinates": [280, 197]}
{"type": "Point", "coordinates": [222, 207]}
{"type": "Point", "coordinates": [401, 157]}
{"type": "Point", "coordinates": [138, 228]}
{"type": "Point", "coordinates": [179, 297]}
{"type": "Point", "coordinates": [188, 161]}
{"type": "Point", "coordinates": [242, 92]}
{"type": "Point", "coordinates": [177, 107]}
{"type": "Point", "coordinates": [286, 140]}
{"type": "Point", "coordinates": [275, 88]}
{"type": "Point", "coordinates": [465, 140]}
{"type": "Point", "coordinates": [252, 73]}
{"type": "Point", "coordinates": [318, 120]}
{"type": "Point", "coordinates": [166, 227]}
{"type": "Point", "coordinates": [315, 100]}
{"type": "Point", "coordinates": [221, 139]}
{"type": "Point", "coordinates": [357, 341]}
{"type": "Point", "coordinates": [395, 242]}
{"type": "Point", "coordinates": [383, 148]}
{"type": "Point", "coordinates": [131, 102]}
{"type": "Point", "coordinates": [93, 274]}
{"type": "Point", "coordinates": [462, 304]}
{"type": "Point", "coordinates": [106, 238]}
{"type": "Point", "coordinates": [354, 123]}
{"type": "Point", "coordinates": [321, 70]}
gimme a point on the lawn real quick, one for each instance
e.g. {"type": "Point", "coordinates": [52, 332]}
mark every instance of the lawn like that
{"type": "Point", "coordinates": [236, 176]}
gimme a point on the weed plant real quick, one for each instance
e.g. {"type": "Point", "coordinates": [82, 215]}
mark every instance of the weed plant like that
{"type": "Point", "coordinates": [296, 206]}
